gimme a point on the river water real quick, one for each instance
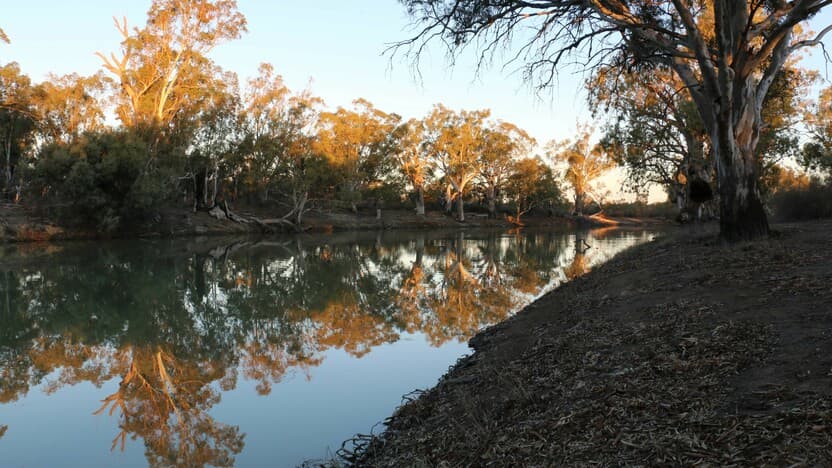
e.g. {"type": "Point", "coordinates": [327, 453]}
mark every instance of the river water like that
{"type": "Point", "coordinates": [255, 353]}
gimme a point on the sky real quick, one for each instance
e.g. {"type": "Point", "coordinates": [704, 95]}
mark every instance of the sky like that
{"type": "Point", "coordinates": [336, 44]}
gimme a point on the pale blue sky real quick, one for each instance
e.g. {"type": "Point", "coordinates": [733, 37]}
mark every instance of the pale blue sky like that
{"type": "Point", "coordinates": [337, 44]}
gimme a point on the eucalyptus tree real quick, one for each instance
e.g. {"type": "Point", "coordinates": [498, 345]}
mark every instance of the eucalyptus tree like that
{"type": "Point", "coordinates": [360, 145]}
{"type": "Point", "coordinates": [161, 64]}
{"type": "Point", "coordinates": [726, 53]}
{"type": "Point", "coordinates": [413, 161]}
{"type": "Point", "coordinates": [18, 123]}
{"type": "Point", "coordinates": [68, 106]}
{"type": "Point", "coordinates": [502, 144]}
{"type": "Point", "coordinates": [531, 185]}
{"type": "Point", "coordinates": [215, 138]}
{"type": "Point", "coordinates": [304, 172]}
{"type": "Point", "coordinates": [277, 150]}
{"type": "Point", "coordinates": [265, 105]}
{"type": "Point", "coordinates": [654, 132]}
{"type": "Point", "coordinates": [817, 152]}
{"type": "Point", "coordinates": [584, 164]}
{"type": "Point", "coordinates": [454, 141]}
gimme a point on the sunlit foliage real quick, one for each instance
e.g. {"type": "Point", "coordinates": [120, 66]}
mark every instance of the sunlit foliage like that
{"type": "Point", "coordinates": [584, 163]}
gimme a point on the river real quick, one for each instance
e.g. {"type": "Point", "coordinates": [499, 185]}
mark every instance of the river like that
{"type": "Point", "coordinates": [250, 352]}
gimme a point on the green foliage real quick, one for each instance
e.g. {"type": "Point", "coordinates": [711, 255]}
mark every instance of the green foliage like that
{"type": "Point", "coordinates": [816, 157]}
{"type": "Point", "coordinates": [17, 124]}
{"type": "Point", "coordinates": [104, 179]}
{"type": "Point", "coordinates": [532, 184]}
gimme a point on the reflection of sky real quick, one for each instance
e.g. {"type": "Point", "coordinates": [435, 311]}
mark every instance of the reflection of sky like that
{"type": "Point", "coordinates": [298, 421]}
{"type": "Point", "coordinates": [311, 408]}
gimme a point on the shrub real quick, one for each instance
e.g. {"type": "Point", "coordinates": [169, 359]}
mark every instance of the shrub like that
{"type": "Point", "coordinates": [102, 180]}
{"type": "Point", "coordinates": [801, 203]}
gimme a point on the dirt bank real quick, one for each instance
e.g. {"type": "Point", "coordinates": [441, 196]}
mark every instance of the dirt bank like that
{"type": "Point", "coordinates": [681, 351]}
{"type": "Point", "coordinates": [20, 224]}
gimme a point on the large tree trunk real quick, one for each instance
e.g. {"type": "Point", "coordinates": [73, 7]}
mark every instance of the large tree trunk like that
{"type": "Point", "coordinates": [216, 183]}
{"type": "Point", "coordinates": [8, 150]}
{"type": "Point", "coordinates": [579, 204]}
{"type": "Point", "coordinates": [420, 201]}
{"type": "Point", "coordinates": [300, 206]}
{"type": "Point", "coordinates": [449, 205]}
{"type": "Point", "coordinates": [735, 137]}
{"type": "Point", "coordinates": [741, 213]}
{"type": "Point", "coordinates": [491, 195]}
{"type": "Point", "coordinates": [205, 189]}
{"type": "Point", "coordinates": [681, 199]}
{"type": "Point", "coordinates": [460, 210]}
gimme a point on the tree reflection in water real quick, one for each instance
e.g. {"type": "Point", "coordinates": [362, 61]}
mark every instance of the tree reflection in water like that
{"type": "Point", "coordinates": [176, 325]}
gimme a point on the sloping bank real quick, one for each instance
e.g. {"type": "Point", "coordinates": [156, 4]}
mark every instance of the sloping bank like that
{"type": "Point", "coordinates": [680, 351]}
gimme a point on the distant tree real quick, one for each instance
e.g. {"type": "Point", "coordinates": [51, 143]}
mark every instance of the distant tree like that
{"type": "Point", "coordinates": [215, 141]}
{"type": "Point", "coordinates": [413, 161]}
{"type": "Point", "coordinates": [360, 145]}
{"type": "Point", "coordinates": [266, 103]}
{"type": "Point", "coordinates": [817, 153]}
{"type": "Point", "coordinates": [782, 178]}
{"type": "Point", "coordinates": [726, 53]}
{"type": "Point", "coordinates": [584, 163]}
{"type": "Point", "coordinates": [18, 122]}
{"type": "Point", "coordinates": [277, 150]}
{"type": "Point", "coordinates": [164, 64]}
{"type": "Point", "coordinates": [69, 106]}
{"type": "Point", "coordinates": [454, 142]}
{"type": "Point", "coordinates": [502, 144]}
{"type": "Point", "coordinates": [784, 110]}
{"type": "Point", "coordinates": [531, 184]}
{"type": "Point", "coordinates": [654, 131]}
{"type": "Point", "coordinates": [304, 172]}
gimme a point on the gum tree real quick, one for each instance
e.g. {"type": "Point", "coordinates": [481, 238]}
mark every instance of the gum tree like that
{"type": "Point", "coordinates": [503, 143]}
{"type": "Point", "coordinates": [817, 152]}
{"type": "Point", "coordinates": [412, 160]}
{"type": "Point", "coordinates": [454, 142]}
{"type": "Point", "coordinates": [18, 122]}
{"type": "Point", "coordinates": [727, 53]}
{"type": "Point", "coordinates": [162, 64]}
{"type": "Point", "coordinates": [358, 143]}
{"type": "Point", "coordinates": [584, 164]}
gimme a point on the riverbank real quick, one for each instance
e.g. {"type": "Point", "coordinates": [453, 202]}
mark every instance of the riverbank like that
{"type": "Point", "coordinates": [20, 224]}
{"type": "Point", "coordinates": [680, 351]}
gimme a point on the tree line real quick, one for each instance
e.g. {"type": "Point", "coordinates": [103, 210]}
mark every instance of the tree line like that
{"type": "Point", "coordinates": [189, 132]}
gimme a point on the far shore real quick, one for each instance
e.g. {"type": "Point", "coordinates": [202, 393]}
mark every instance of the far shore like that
{"type": "Point", "coordinates": [18, 224]}
{"type": "Point", "coordinates": [682, 351]}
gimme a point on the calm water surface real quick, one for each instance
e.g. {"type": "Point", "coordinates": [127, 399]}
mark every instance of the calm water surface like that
{"type": "Point", "coordinates": [269, 353]}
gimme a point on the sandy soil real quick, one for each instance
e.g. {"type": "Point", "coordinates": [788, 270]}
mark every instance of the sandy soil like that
{"type": "Point", "coordinates": [680, 351]}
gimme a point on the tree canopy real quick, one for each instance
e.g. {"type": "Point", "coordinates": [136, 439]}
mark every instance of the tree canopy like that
{"type": "Point", "coordinates": [726, 54]}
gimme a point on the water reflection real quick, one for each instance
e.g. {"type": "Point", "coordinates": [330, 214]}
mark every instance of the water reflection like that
{"type": "Point", "coordinates": [178, 324]}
